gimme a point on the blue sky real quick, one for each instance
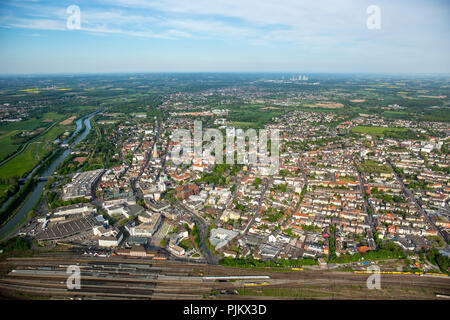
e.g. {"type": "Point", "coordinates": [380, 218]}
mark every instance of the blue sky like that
{"type": "Point", "coordinates": [224, 35]}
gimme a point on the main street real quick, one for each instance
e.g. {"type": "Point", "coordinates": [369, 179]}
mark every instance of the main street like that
{"type": "Point", "coordinates": [258, 208]}
{"type": "Point", "coordinates": [163, 164]}
{"type": "Point", "coordinates": [203, 233]}
{"type": "Point", "coordinates": [367, 205]}
{"type": "Point", "coordinates": [148, 156]}
{"type": "Point", "coordinates": [412, 198]}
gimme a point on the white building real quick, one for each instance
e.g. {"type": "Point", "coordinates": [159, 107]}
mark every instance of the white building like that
{"type": "Point", "coordinates": [111, 240]}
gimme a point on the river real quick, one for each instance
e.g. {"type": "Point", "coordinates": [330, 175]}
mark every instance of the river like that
{"type": "Point", "coordinates": [36, 193]}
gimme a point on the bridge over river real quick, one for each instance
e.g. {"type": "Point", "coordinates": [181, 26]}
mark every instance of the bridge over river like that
{"type": "Point", "coordinates": [20, 216]}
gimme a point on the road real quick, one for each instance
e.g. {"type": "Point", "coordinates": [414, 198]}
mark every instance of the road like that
{"type": "Point", "coordinates": [304, 171]}
{"type": "Point", "coordinates": [258, 208]}
{"type": "Point", "coordinates": [199, 222]}
{"type": "Point", "coordinates": [163, 164]}
{"type": "Point", "coordinates": [412, 198]}
{"type": "Point", "coordinates": [362, 182]}
{"type": "Point", "coordinates": [95, 201]}
{"type": "Point", "coordinates": [148, 156]}
{"type": "Point", "coordinates": [203, 228]}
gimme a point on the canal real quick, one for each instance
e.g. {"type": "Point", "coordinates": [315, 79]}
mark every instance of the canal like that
{"type": "Point", "coordinates": [36, 193]}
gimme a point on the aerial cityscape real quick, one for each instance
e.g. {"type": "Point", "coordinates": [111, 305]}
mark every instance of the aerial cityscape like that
{"type": "Point", "coordinates": [215, 185]}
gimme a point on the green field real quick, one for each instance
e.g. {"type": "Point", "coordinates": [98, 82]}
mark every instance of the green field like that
{"type": "Point", "coordinates": [30, 124]}
{"type": "Point", "coordinates": [8, 131]}
{"type": "Point", "coordinates": [376, 131]}
{"type": "Point", "coordinates": [25, 161]}
{"type": "Point", "coordinates": [242, 124]}
{"type": "Point", "coordinates": [252, 115]}
{"type": "Point", "coordinates": [55, 116]}
{"type": "Point", "coordinates": [7, 146]}
{"type": "Point", "coordinates": [3, 188]}
{"type": "Point", "coordinates": [396, 114]}
{"type": "Point", "coordinates": [370, 166]}
{"type": "Point", "coordinates": [33, 154]}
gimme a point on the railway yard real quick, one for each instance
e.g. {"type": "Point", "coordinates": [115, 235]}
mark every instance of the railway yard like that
{"type": "Point", "coordinates": [45, 276]}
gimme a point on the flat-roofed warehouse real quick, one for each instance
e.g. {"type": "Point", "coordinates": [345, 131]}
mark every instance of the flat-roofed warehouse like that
{"type": "Point", "coordinates": [83, 208]}
{"type": "Point", "coordinates": [68, 229]}
{"type": "Point", "coordinates": [81, 185]}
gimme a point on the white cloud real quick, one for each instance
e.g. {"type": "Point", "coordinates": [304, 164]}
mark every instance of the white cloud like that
{"type": "Point", "coordinates": [413, 29]}
{"type": "Point", "coordinates": [39, 24]}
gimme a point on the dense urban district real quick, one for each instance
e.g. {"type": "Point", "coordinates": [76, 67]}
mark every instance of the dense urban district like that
{"type": "Point", "coordinates": [87, 173]}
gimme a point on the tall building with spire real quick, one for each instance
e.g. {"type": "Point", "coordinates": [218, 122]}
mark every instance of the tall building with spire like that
{"type": "Point", "coordinates": [155, 152]}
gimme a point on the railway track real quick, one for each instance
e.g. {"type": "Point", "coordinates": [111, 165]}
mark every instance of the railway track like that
{"type": "Point", "coordinates": [147, 279]}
